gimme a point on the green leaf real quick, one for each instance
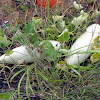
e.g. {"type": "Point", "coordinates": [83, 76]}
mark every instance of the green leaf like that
{"type": "Point", "coordinates": [95, 57]}
{"type": "Point", "coordinates": [89, 1]}
{"type": "Point", "coordinates": [81, 67]}
{"type": "Point", "coordinates": [56, 18]}
{"type": "Point", "coordinates": [34, 39]}
{"type": "Point", "coordinates": [7, 95]}
{"type": "Point", "coordinates": [28, 28]}
{"type": "Point", "coordinates": [1, 38]}
{"type": "Point", "coordinates": [61, 24]}
{"type": "Point", "coordinates": [95, 14]}
{"type": "Point", "coordinates": [19, 85]}
{"type": "Point", "coordinates": [75, 71]}
{"type": "Point", "coordinates": [61, 65]}
{"type": "Point", "coordinates": [23, 7]}
{"type": "Point", "coordinates": [48, 51]}
{"type": "Point", "coordinates": [77, 6]}
{"type": "Point", "coordinates": [27, 83]}
{"type": "Point", "coordinates": [77, 21]}
{"type": "Point", "coordinates": [5, 42]}
{"type": "Point", "coordinates": [96, 45]}
{"type": "Point", "coordinates": [1, 32]}
{"type": "Point", "coordinates": [48, 29]}
{"type": "Point", "coordinates": [43, 76]}
{"type": "Point", "coordinates": [69, 73]}
{"type": "Point", "coordinates": [64, 36]}
{"type": "Point", "coordinates": [36, 21]}
{"type": "Point", "coordinates": [17, 74]}
{"type": "Point", "coordinates": [36, 44]}
{"type": "Point", "coordinates": [8, 52]}
{"type": "Point", "coordinates": [90, 51]}
{"type": "Point", "coordinates": [80, 19]}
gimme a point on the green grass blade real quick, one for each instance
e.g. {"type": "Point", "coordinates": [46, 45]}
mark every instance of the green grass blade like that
{"type": "Point", "coordinates": [20, 84]}
{"type": "Point", "coordinates": [27, 84]}
{"type": "Point", "coordinates": [17, 74]}
{"type": "Point", "coordinates": [76, 71]}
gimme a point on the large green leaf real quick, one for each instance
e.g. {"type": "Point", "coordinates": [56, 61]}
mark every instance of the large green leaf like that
{"type": "Point", "coordinates": [47, 51]}
{"type": "Point", "coordinates": [28, 28]}
{"type": "Point", "coordinates": [34, 39]}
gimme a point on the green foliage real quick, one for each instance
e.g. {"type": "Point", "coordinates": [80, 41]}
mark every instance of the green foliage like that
{"type": "Point", "coordinates": [96, 56]}
{"type": "Point", "coordinates": [28, 28]}
{"type": "Point", "coordinates": [4, 42]}
{"type": "Point", "coordinates": [19, 37]}
{"type": "Point", "coordinates": [7, 95]}
{"type": "Point", "coordinates": [47, 51]}
{"type": "Point", "coordinates": [34, 39]}
{"type": "Point", "coordinates": [1, 32]}
{"type": "Point", "coordinates": [64, 36]}
{"type": "Point", "coordinates": [57, 80]}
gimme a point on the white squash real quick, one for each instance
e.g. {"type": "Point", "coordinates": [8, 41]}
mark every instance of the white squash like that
{"type": "Point", "coordinates": [83, 43]}
{"type": "Point", "coordinates": [55, 44]}
{"type": "Point", "coordinates": [24, 54]}
{"type": "Point", "coordinates": [19, 55]}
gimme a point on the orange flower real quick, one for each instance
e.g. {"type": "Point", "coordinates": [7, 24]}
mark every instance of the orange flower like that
{"type": "Point", "coordinates": [43, 3]}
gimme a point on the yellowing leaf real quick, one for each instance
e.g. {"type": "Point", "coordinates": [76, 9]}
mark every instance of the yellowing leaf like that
{"type": "Point", "coordinates": [79, 20]}
{"type": "Point", "coordinates": [96, 41]}
{"type": "Point", "coordinates": [84, 15]}
{"type": "Point", "coordinates": [95, 14]}
{"type": "Point", "coordinates": [77, 6]}
{"type": "Point", "coordinates": [89, 1]}
{"type": "Point", "coordinates": [95, 57]}
{"type": "Point", "coordinates": [36, 20]}
{"type": "Point", "coordinates": [61, 65]}
{"type": "Point", "coordinates": [56, 18]}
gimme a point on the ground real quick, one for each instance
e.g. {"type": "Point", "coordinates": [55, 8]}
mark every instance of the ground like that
{"type": "Point", "coordinates": [21, 12]}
